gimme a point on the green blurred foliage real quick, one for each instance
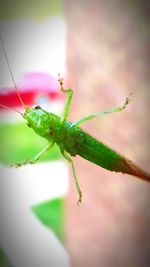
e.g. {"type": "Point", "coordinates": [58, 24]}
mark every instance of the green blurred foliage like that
{"type": "Point", "coordinates": [51, 214]}
{"type": "Point", "coordinates": [20, 143]}
{"type": "Point", "coordinates": [12, 9]}
{"type": "Point", "coordinates": [4, 262]}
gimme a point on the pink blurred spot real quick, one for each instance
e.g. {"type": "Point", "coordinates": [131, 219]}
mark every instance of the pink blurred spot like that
{"type": "Point", "coordinates": [32, 85]}
{"type": "Point", "coordinates": [39, 81]}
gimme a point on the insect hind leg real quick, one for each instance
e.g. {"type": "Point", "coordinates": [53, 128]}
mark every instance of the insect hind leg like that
{"type": "Point", "coordinates": [69, 159]}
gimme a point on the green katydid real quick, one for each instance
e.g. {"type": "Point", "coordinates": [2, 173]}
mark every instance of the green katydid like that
{"type": "Point", "coordinates": [72, 140]}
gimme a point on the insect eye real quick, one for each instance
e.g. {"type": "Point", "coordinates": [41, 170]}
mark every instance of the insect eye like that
{"type": "Point", "coordinates": [37, 107]}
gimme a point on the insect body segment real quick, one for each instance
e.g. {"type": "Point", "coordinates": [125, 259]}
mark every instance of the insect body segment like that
{"type": "Point", "coordinates": [41, 121]}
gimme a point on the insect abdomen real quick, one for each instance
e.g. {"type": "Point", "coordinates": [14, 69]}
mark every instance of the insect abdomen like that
{"type": "Point", "coordinates": [102, 155]}
{"type": "Point", "coordinates": [98, 153]}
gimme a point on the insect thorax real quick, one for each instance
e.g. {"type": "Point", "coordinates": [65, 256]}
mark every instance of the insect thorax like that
{"type": "Point", "coordinates": [41, 121]}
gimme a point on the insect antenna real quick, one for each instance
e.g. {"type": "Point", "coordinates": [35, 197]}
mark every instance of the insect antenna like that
{"type": "Point", "coordinates": [11, 74]}
{"type": "Point", "coordinates": [4, 106]}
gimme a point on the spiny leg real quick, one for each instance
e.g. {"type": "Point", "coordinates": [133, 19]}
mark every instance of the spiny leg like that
{"type": "Point", "coordinates": [68, 101]}
{"type": "Point", "coordinates": [69, 159]}
{"type": "Point", "coordinates": [37, 157]}
{"type": "Point", "coordinates": [106, 112]}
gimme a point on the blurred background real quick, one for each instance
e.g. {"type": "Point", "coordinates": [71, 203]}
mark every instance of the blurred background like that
{"type": "Point", "coordinates": [102, 50]}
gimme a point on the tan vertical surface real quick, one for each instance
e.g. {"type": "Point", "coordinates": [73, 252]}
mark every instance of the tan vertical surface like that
{"type": "Point", "coordinates": [107, 59]}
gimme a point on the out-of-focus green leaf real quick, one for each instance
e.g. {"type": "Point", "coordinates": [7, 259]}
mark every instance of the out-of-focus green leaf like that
{"type": "Point", "coordinates": [31, 9]}
{"type": "Point", "coordinates": [51, 214]}
{"type": "Point", "coordinates": [4, 262]}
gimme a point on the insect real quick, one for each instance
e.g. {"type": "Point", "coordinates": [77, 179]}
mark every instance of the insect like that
{"type": "Point", "coordinates": [72, 140]}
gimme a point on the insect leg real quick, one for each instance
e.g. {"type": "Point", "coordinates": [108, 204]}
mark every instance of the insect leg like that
{"type": "Point", "coordinates": [69, 98]}
{"type": "Point", "coordinates": [106, 112]}
{"type": "Point", "coordinates": [69, 159]}
{"type": "Point", "coordinates": [37, 157]}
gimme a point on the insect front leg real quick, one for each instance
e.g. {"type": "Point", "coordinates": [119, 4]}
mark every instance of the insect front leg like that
{"type": "Point", "coordinates": [37, 157]}
{"type": "Point", "coordinates": [69, 98]}
{"type": "Point", "coordinates": [69, 159]}
{"type": "Point", "coordinates": [103, 113]}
